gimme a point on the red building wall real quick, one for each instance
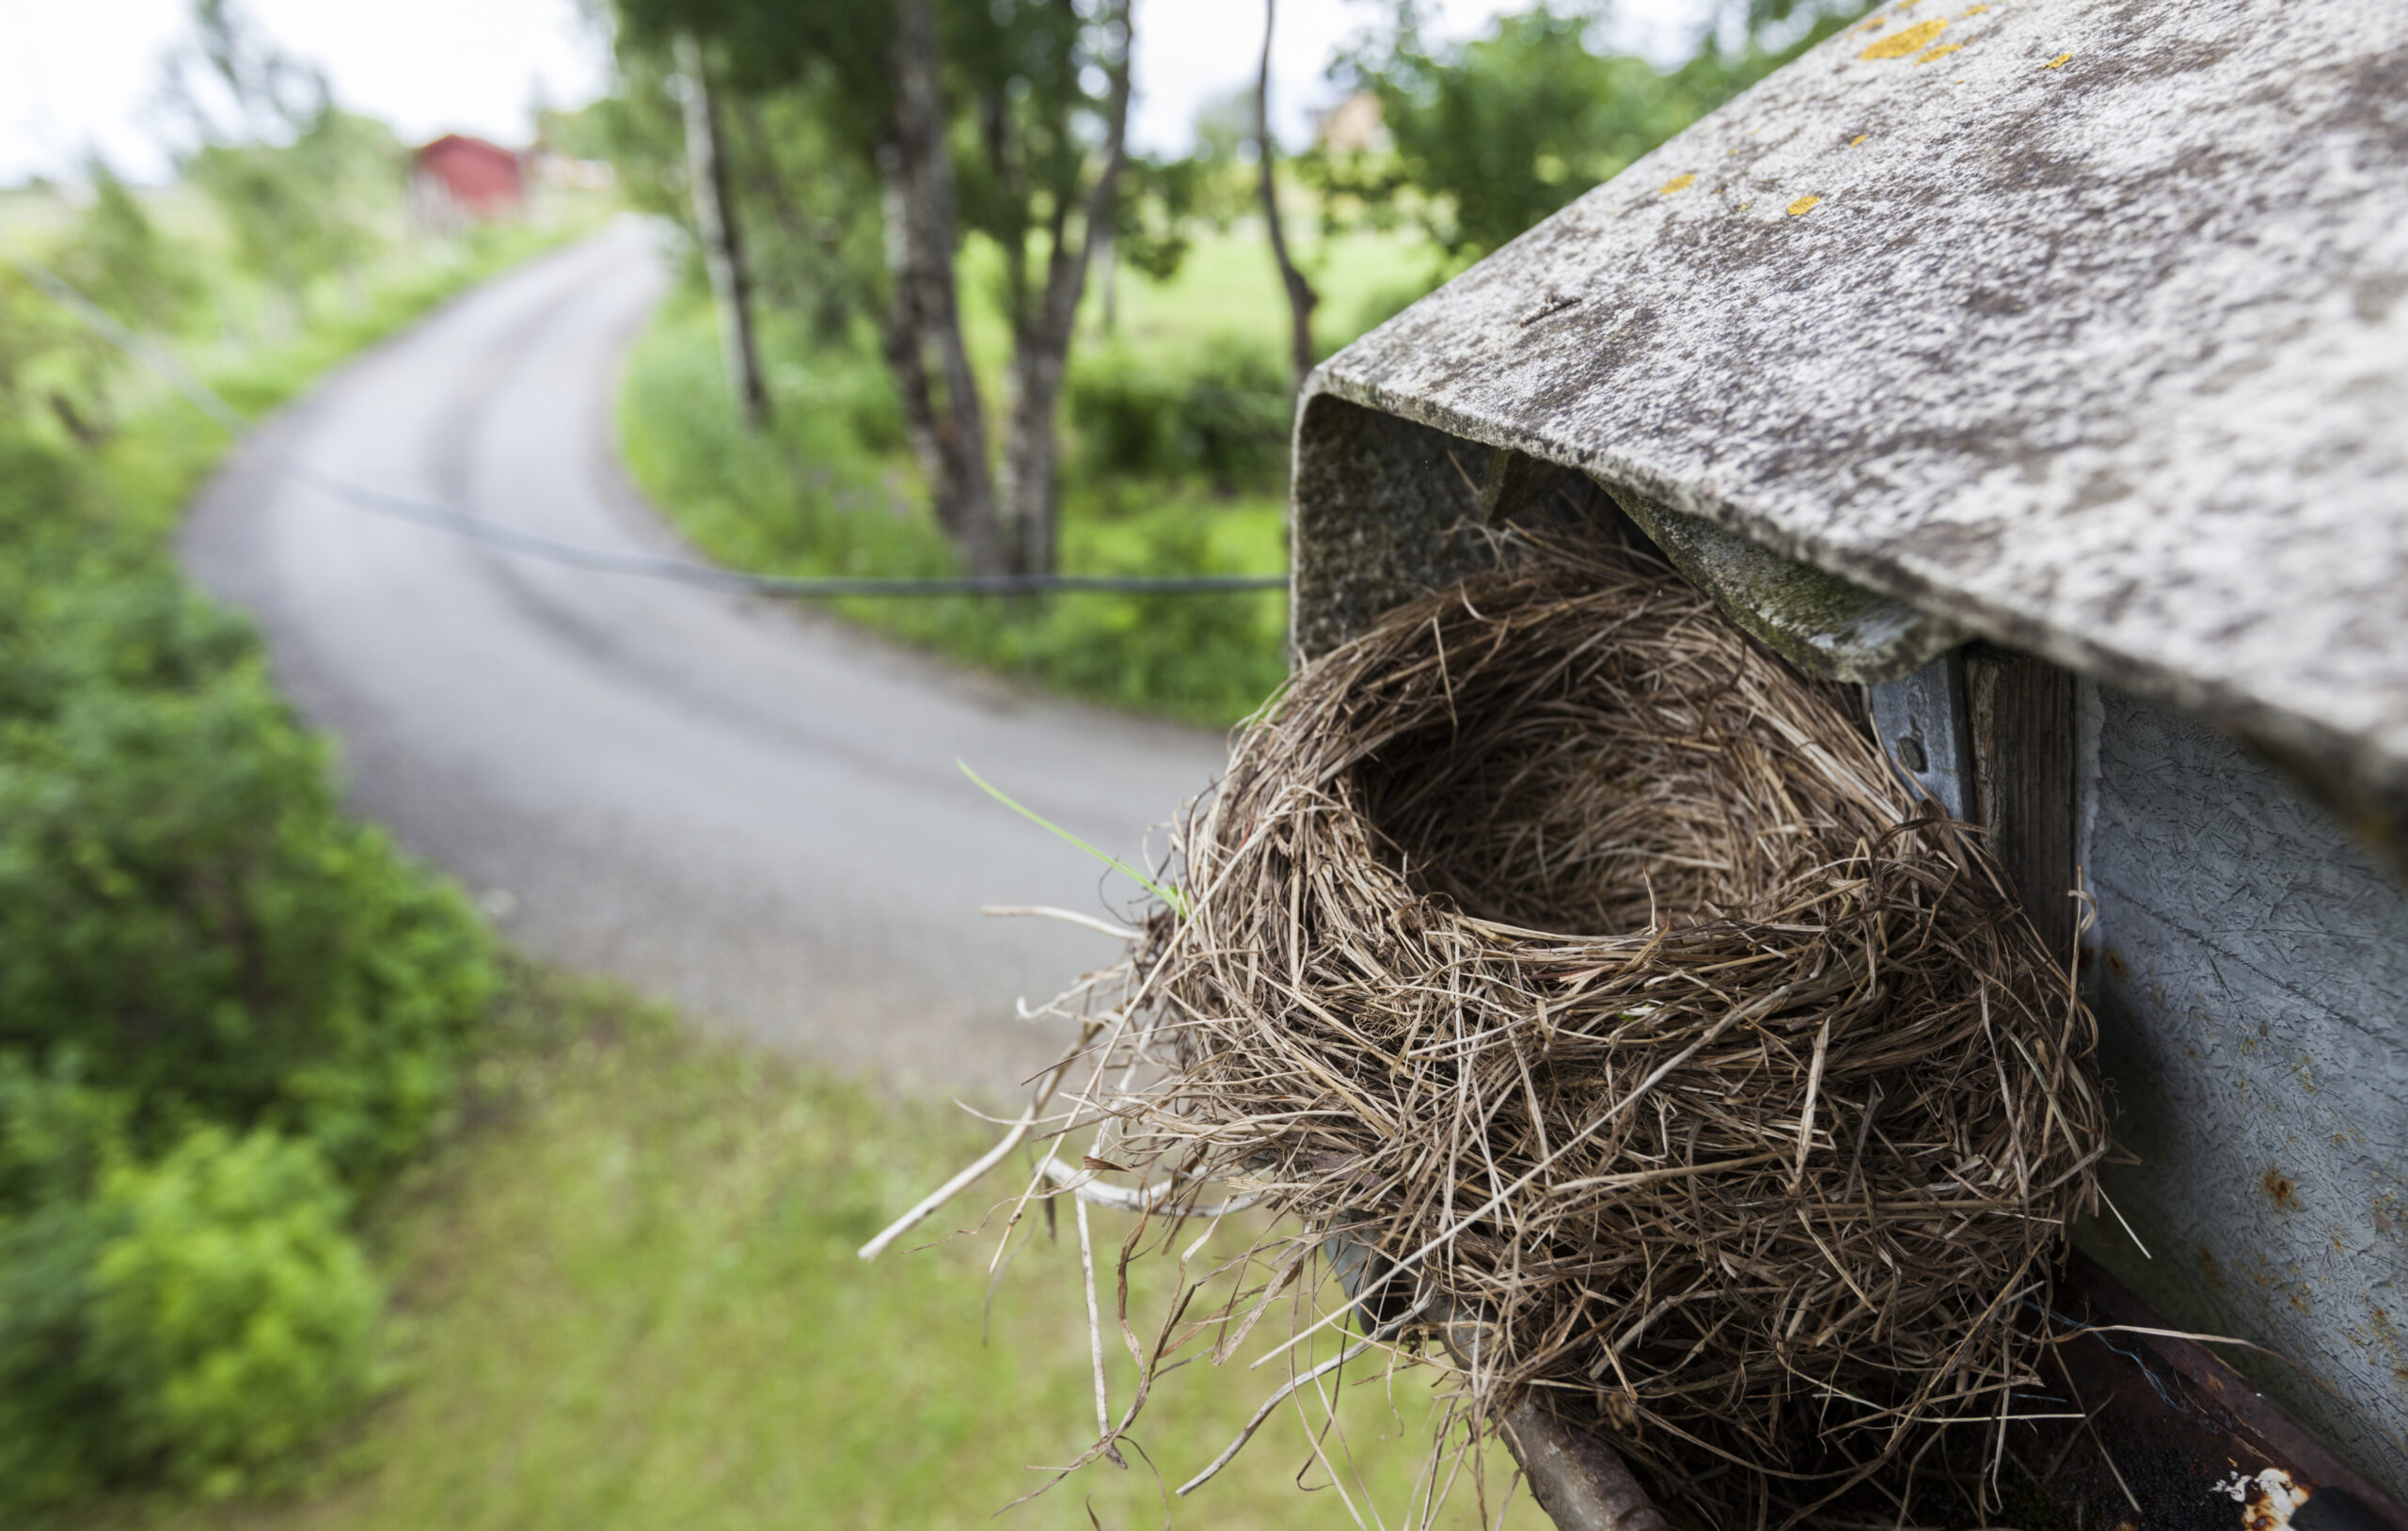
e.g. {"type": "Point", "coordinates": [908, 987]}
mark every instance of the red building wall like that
{"type": "Point", "coordinates": [479, 179]}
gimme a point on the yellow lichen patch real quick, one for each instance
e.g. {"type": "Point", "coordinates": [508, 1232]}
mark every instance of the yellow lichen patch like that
{"type": "Point", "coordinates": [1973, 11]}
{"type": "Point", "coordinates": [1681, 183]}
{"type": "Point", "coordinates": [1803, 206]}
{"type": "Point", "coordinates": [1743, 206]}
{"type": "Point", "coordinates": [1857, 139]}
{"type": "Point", "coordinates": [1930, 54]}
{"type": "Point", "coordinates": [1913, 40]}
{"type": "Point", "coordinates": [2060, 61]}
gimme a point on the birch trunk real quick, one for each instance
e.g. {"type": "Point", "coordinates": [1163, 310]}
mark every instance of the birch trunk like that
{"type": "Point", "coordinates": [722, 243]}
{"type": "Point", "coordinates": [1040, 354]}
{"type": "Point", "coordinates": [924, 337]}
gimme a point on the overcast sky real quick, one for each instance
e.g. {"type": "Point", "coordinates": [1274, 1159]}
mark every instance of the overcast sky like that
{"type": "Point", "coordinates": [82, 74]}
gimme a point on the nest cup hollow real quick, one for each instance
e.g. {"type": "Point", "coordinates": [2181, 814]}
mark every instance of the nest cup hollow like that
{"type": "Point", "coordinates": [1587, 962]}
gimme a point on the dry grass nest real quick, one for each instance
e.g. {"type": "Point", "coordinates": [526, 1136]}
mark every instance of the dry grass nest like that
{"type": "Point", "coordinates": [1584, 961]}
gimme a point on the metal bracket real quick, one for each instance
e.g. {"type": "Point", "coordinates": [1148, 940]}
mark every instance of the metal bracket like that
{"type": "Point", "coordinates": [1922, 721]}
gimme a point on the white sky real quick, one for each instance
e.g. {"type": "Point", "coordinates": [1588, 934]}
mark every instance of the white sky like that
{"type": "Point", "coordinates": [82, 74]}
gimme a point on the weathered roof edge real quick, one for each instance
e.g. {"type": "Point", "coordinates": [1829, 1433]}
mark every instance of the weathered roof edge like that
{"type": "Point", "coordinates": [2350, 771]}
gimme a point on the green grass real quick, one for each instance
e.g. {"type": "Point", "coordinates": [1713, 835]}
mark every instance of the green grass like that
{"type": "Point", "coordinates": [165, 446]}
{"type": "Point", "coordinates": [1226, 287]}
{"type": "Point", "coordinates": [630, 1300]}
{"type": "Point", "coordinates": [831, 490]}
{"type": "Point", "coordinates": [811, 497]}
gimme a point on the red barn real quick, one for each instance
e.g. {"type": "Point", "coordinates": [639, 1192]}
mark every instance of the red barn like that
{"type": "Point", "coordinates": [457, 180]}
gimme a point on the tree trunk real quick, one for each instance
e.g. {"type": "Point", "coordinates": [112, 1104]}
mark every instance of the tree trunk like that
{"type": "Point", "coordinates": [927, 318]}
{"type": "Point", "coordinates": [1040, 356]}
{"type": "Point", "coordinates": [723, 241]}
{"type": "Point", "coordinates": [1302, 299]}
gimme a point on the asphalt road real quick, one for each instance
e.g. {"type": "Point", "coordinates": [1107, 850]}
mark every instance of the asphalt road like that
{"type": "Point", "coordinates": [727, 802]}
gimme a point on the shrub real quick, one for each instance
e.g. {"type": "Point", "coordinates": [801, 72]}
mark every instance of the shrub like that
{"type": "Point", "coordinates": [185, 914]}
{"type": "Point", "coordinates": [195, 1320]}
{"type": "Point", "coordinates": [1224, 418]}
{"type": "Point", "coordinates": [184, 908]}
{"type": "Point", "coordinates": [232, 1316]}
{"type": "Point", "coordinates": [1234, 417]}
{"type": "Point", "coordinates": [58, 1140]}
{"type": "Point", "coordinates": [1126, 416]}
{"type": "Point", "coordinates": [1202, 656]}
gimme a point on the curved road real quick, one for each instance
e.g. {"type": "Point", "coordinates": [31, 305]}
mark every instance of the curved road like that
{"type": "Point", "coordinates": [747, 808]}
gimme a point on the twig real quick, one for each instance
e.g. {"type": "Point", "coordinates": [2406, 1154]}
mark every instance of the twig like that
{"type": "Point", "coordinates": [947, 1192]}
{"type": "Point", "coordinates": [1047, 911]}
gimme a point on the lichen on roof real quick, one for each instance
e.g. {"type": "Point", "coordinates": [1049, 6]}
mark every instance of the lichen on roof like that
{"type": "Point", "coordinates": [2093, 342]}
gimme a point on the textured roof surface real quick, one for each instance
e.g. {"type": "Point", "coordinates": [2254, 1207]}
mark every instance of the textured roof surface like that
{"type": "Point", "coordinates": [2085, 323]}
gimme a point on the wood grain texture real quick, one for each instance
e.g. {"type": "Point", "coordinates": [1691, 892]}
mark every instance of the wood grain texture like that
{"type": "Point", "coordinates": [2024, 750]}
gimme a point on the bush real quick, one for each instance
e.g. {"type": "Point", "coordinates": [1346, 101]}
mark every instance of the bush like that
{"type": "Point", "coordinates": [221, 1003]}
{"type": "Point", "coordinates": [231, 1315]}
{"type": "Point", "coordinates": [184, 910]}
{"type": "Point", "coordinates": [58, 1139]}
{"type": "Point", "coordinates": [185, 915]}
{"type": "Point", "coordinates": [1210, 657]}
{"type": "Point", "coordinates": [195, 1320]}
{"type": "Point", "coordinates": [1225, 419]}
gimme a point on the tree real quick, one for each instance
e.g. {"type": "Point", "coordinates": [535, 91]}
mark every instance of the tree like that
{"type": "Point", "coordinates": [1492, 136]}
{"type": "Point", "coordinates": [859, 82]}
{"type": "Point", "coordinates": [1302, 299]}
{"type": "Point", "coordinates": [1049, 99]}
{"type": "Point", "coordinates": [300, 183]}
{"type": "Point", "coordinates": [722, 235]}
{"type": "Point", "coordinates": [929, 120]}
{"type": "Point", "coordinates": [924, 345]}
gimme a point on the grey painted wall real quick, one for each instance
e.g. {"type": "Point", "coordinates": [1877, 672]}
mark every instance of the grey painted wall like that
{"type": "Point", "coordinates": [2251, 978]}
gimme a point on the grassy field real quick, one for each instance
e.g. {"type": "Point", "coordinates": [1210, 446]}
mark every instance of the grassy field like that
{"type": "Point", "coordinates": [829, 488]}
{"type": "Point", "coordinates": [629, 1298]}
{"type": "Point", "coordinates": [1227, 286]}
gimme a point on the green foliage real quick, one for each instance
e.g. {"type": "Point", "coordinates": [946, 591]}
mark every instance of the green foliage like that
{"type": "Point", "coordinates": [183, 909]}
{"type": "Point", "coordinates": [118, 258]}
{"type": "Point", "coordinates": [113, 253]}
{"type": "Point", "coordinates": [636, 1304]}
{"type": "Point", "coordinates": [303, 187]}
{"type": "Point", "coordinates": [115, 257]}
{"type": "Point", "coordinates": [1493, 134]}
{"type": "Point", "coordinates": [1157, 203]}
{"type": "Point", "coordinates": [309, 206]}
{"type": "Point", "coordinates": [1222, 415]}
{"type": "Point", "coordinates": [231, 1315]}
{"type": "Point", "coordinates": [224, 1008]}
{"type": "Point", "coordinates": [194, 1319]}
{"type": "Point", "coordinates": [810, 496]}
{"type": "Point", "coordinates": [1032, 81]}
{"type": "Point", "coordinates": [805, 102]}
{"type": "Point", "coordinates": [216, 994]}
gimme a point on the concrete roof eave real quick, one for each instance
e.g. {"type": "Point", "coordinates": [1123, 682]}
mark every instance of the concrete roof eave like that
{"type": "Point", "coordinates": [2082, 325]}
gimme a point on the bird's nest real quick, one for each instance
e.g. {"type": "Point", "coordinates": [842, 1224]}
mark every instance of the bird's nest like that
{"type": "Point", "coordinates": [1585, 965]}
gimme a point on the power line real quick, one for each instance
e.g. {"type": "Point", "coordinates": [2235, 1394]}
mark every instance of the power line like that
{"type": "Point", "coordinates": [510, 539]}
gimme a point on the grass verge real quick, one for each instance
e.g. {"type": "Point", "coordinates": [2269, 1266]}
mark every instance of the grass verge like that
{"type": "Point", "coordinates": [629, 1300]}
{"type": "Point", "coordinates": [1176, 447]}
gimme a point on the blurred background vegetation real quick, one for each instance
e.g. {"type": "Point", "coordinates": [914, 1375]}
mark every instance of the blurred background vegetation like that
{"type": "Point", "coordinates": [1164, 442]}
{"type": "Point", "coordinates": [316, 1207]}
